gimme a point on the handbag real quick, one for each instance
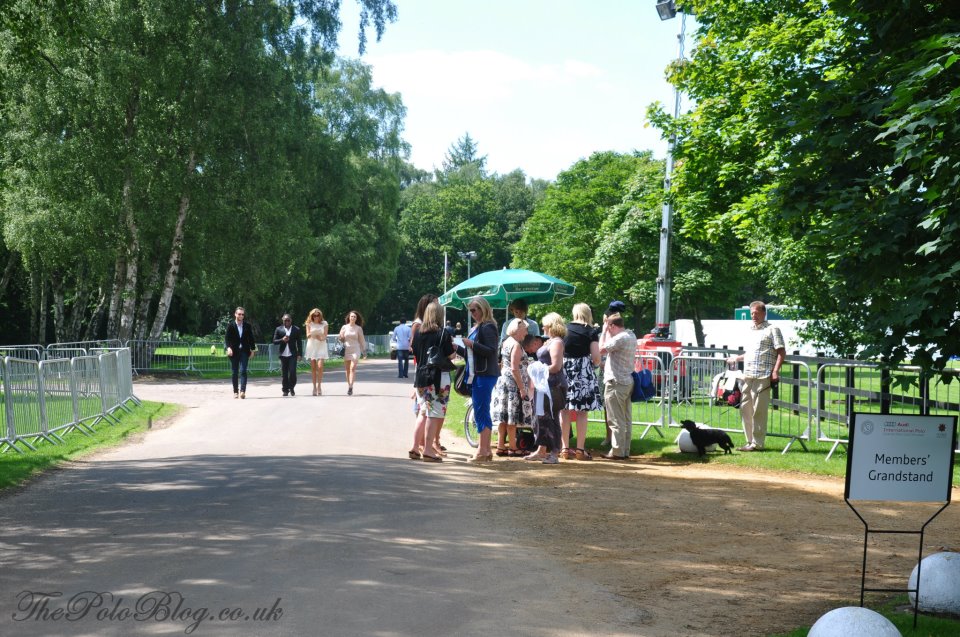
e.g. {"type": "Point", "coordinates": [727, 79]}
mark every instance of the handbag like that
{"type": "Point", "coordinates": [643, 387]}
{"type": "Point", "coordinates": [436, 358]}
{"type": "Point", "coordinates": [460, 384]}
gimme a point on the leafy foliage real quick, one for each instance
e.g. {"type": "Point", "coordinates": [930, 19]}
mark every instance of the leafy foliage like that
{"type": "Point", "coordinates": [823, 138]}
{"type": "Point", "coordinates": [190, 156]}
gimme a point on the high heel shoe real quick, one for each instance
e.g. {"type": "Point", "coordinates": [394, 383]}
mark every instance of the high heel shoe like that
{"type": "Point", "coordinates": [314, 391]}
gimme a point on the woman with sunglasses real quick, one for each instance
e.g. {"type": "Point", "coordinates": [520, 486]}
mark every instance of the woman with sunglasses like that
{"type": "Point", "coordinates": [316, 329]}
{"type": "Point", "coordinates": [480, 350]}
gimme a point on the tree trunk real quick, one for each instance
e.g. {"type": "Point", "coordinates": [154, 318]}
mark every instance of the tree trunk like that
{"type": "Point", "coordinates": [56, 284]}
{"type": "Point", "coordinates": [146, 299]}
{"type": "Point", "coordinates": [96, 320]}
{"type": "Point", "coordinates": [176, 252]}
{"type": "Point", "coordinates": [8, 273]}
{"type": "Point", "coordinates": [116, 291]}
{"type": "Point", "coordinates": [128, 304]}
{"type": "Point", "coordinates": [35, 306]}
{"type": "Point", "coordinates": [698, 327]}
{"type": "Point", "coordinates": [42, 314]}
{"type": "Point", "coordinates": [74, 329]}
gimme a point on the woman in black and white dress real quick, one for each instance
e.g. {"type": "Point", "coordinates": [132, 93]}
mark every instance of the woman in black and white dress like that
{"type": "Point", "coordinates": [581, 355]}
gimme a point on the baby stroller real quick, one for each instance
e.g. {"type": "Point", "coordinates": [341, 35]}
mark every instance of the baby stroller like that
{"type": "Point", "coordinates": [727, 388]}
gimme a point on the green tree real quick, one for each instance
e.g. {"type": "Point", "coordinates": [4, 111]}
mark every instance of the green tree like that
{"type": "Point", "coordinates": [462, 210]}
{"type": "Point", "coordinates": [172, 138]}
{"type": "Point", "coordinates": [563, 234]}
{"type": "Point", "coordinates": [822, 137]}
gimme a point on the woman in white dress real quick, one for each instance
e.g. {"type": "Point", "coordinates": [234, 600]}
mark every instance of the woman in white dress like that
{"type": "Point", "coordinates": [316, 329]}
{"type": "Point", "coordinates": [354, 346]}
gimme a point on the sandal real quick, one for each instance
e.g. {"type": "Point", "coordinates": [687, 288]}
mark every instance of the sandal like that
{"type": "Point", "coordinates": [582, 454]}
{"type": "Point", "coordinates": [427, 458]}
{"type": "Point", "coordinates": [567, 454]}
{"type": "Point", "coordinates": [503, 452]}
{"type": "Point", "coordinates": [414, 455]}
{"type": "Point", "coordinates": [517, 453]}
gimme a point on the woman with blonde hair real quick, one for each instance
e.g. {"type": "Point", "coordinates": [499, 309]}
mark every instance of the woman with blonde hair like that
{"type": "Point", "coordinates": [551, 395]}
{"type": "Point", "coordinates": [581, 355]}
{"type": "Point", "coordinates": [354, 346]}
{"type": "Point", "coordinates": [480, 350]}
{"type": "Point", "coordinates": [432, 384]}
{"type": "Point", "coordinates": [316, 329]}
{"type": "Point", "coordinates": [511, 395]}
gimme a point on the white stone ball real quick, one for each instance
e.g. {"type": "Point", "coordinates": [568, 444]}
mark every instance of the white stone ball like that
{"type": "Point", "coordinates": [939, 583]}
{"type": "Point", "coordinates": [686, 445]}
{"type": "Point", "coordinates": [853, 621]}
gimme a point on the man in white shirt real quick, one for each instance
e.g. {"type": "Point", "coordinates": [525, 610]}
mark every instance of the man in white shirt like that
{"type": "Point", "coordinates": [620, 346]}
{"type": "Point", "coordinates": [762, 358]}
{"type": "Point", "coordinates": [287, 338]}
{"type": "Point", "coordinates": [401, 335]}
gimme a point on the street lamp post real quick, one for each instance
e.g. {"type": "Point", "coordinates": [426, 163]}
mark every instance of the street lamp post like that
{"type": "Point", "coordinates": [667, 10]}
{"type": "Point", "coordinates": [468, 257]}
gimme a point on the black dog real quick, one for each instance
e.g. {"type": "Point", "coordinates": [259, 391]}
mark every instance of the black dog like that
{"type": "Point", "coordinates": [703, 438]}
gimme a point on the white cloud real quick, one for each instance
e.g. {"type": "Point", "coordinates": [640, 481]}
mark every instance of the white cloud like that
{"type": "Point", "coordinates": [483, 76]}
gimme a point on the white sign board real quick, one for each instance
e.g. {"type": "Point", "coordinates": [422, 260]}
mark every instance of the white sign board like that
{"type": "Point", "coordinates": [900, 457]}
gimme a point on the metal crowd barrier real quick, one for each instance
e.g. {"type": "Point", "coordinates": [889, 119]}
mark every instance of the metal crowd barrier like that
{"type": "Point", "coordinates": [42, 400]}
{"type": "Point", "coordinates": [23, 352]}
{"type": "Point", "coordinates": [695, 376]}
{"type": "Point", "coordinates": [844, 387]}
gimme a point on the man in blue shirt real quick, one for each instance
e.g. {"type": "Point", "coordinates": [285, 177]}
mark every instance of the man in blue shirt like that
{"type": "Point", "coordinates": [401, 336]}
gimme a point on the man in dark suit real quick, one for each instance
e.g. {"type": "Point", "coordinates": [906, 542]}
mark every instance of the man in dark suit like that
{"type": "Point", "coordinates": [240, 348]}
{"type": "Point", "coordinates": [287, 338]}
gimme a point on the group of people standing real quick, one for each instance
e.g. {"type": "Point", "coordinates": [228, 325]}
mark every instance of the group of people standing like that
{"type": "Point", "coordinates": [241, 347]}
{"type": "Point", "coordinates": [529, 375]}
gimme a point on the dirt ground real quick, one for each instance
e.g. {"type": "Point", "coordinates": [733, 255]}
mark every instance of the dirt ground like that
{"type": "Point", "coordinates": [708, 550]}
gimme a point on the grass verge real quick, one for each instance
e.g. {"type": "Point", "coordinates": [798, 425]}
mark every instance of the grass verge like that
{"type": "Point", "coordinates": [899, 610]}
{"type": "Point", "coordinates": [662, 446]}
{"type": "Point", "coordinates": [17, 468]}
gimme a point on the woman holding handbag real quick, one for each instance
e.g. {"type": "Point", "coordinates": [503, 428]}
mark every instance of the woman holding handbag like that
{"type": "Point", "coordinates": [431, 381]}
{"type": "Point", "coordinates": [480, 350]}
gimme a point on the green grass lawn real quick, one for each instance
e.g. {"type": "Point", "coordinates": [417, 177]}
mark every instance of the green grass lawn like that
{"type": "Point", "coordinates": [16, 468]}
{"type": "Point", "coordinates": [812, 461]}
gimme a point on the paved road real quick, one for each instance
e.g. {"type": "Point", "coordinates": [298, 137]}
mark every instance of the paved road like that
{"type": "Point", "coordinates": [305, 508]}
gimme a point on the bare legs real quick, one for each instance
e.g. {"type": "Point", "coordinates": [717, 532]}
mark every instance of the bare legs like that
{"type": "Point", "coordinates": [350, 366]}
{"type": "Point", "coordinates": [319, 377]}
{"type": "Point", "coordinates": [425, 432]}
{"type": "Point", "coordinates": [315, 375]}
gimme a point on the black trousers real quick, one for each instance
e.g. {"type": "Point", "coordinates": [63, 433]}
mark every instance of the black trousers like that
{"type": "Point", "coordinates": [288, 367]}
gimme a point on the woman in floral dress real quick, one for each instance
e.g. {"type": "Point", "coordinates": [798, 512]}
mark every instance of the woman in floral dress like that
{"type": "Point", "coordinates": [511, 407]}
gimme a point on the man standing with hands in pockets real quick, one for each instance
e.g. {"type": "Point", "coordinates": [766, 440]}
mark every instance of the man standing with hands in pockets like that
{"type": "Point", "coordinates": [287, 338]}
{"type": "Point", "coordinates": [762, 358]}
{"type": "Point", "coordinates": [240, 348]}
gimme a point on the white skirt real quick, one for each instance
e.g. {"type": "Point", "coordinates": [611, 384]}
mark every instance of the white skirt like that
{"type": "Point", "coordinates": [316, 349]}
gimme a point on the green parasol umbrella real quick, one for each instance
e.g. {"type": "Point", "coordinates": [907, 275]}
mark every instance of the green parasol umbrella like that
{"type": "Point", "coordinates": [499, 287]}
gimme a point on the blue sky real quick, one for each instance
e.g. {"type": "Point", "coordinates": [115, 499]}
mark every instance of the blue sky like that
{"type": "Point", "coordinates": [538, 84]}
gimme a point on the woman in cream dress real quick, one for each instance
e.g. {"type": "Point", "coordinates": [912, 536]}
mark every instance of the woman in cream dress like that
{"type": "Point", "coordinates": [354, 346]}
{"type": "Point", "coordinates": [316, 330]}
